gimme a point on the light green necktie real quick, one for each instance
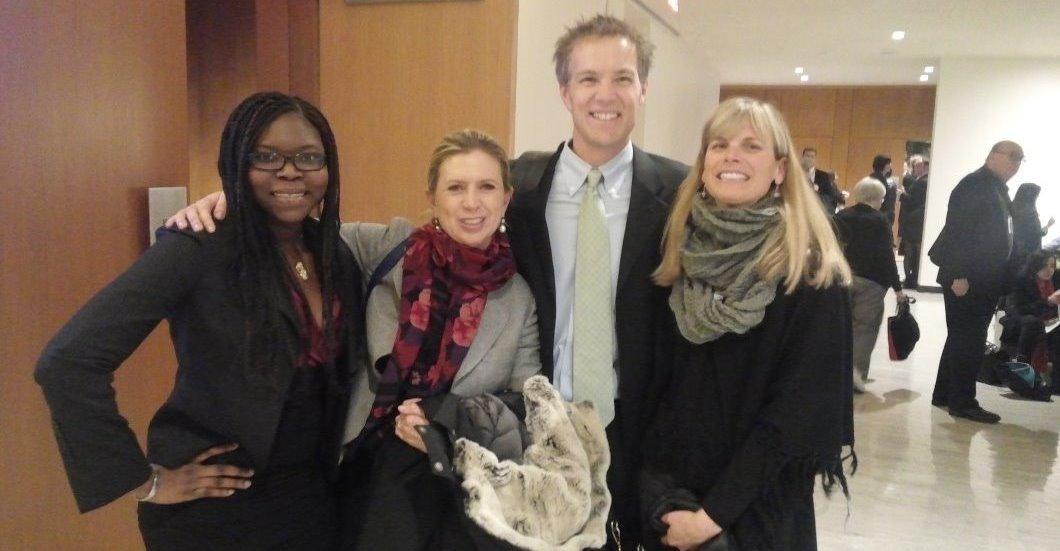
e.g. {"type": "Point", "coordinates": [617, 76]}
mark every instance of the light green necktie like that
{"type": "Point", "coordinates": [594, 372]}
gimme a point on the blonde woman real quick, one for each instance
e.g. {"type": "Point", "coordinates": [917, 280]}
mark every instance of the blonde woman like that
{"type": "Point", "coordinates": [756, 368]}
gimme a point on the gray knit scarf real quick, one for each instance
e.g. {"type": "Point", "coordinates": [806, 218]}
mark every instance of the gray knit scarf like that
{"type": "Point", "coordinates": [721, 291]}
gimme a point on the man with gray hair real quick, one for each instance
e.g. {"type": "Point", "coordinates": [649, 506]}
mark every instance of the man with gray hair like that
{"type": "Point", "coordinates": [585, 225]}
{"type": "Point", "coordinates": [911, 218]}
{"type": "Point", "coordinates": [865, 235]}
{"type": "Point", "coordinates": [972, 253]}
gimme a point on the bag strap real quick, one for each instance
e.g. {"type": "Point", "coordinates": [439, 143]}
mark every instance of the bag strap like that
{"type": "Point", "coordinates": [385, 266]}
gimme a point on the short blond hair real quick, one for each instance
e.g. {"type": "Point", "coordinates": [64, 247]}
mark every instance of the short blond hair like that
{"type": "Point", "coordinates": [466, 141]}
{"type": "Point", "coordinates": [802, 248]}
{"type": "Point", "coordinates": [601, 26]}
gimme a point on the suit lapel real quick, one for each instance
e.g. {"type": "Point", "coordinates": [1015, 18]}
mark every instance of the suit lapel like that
{"type": "Point", "coordinates": [645, 208]}
{"type": "Point", "coordinates": [539, 225]}
{"type": "Point", "coordinates": [494, 320]}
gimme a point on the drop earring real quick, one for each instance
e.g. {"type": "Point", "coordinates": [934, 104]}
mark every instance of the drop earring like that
{"type": "Point", "coordinates": [504, 226]}
{"type": "Point", "coordinates": [703, 191]}
{"type": "Point", "coordinates": [434, 222]}
{"type": "Point", "coordinates": [776, 190]}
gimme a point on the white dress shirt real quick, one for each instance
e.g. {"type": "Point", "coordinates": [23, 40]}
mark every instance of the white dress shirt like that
{"type": "Point", "coordinates": [561, 215]}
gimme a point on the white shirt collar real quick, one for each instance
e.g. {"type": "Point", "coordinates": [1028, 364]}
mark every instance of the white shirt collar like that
{"type": "Point", "coordinates": [574, 165]}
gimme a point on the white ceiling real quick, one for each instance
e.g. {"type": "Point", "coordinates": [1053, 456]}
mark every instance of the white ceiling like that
{"type": "Point", "coordinates": [761, 42]}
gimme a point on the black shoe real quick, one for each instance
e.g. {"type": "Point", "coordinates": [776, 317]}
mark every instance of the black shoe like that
{"type": "Point", "coordinates": [976, 413]}
{"type": "Point", "coordinates": [939, 404]}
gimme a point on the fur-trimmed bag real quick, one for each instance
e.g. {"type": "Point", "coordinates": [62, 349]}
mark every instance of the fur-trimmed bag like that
{"type": "Point", "coordinates": [557, 498]}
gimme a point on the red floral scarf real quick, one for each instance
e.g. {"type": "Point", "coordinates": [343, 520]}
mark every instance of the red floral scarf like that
{"type": "Point", "coordinates": [443, 293]}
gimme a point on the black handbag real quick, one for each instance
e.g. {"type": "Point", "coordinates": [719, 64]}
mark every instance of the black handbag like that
{"type": "Point", "coordinates": [902, 331]}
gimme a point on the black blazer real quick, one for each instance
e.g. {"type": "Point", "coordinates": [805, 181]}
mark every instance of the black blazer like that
{"type": "Point", "coordinates": [187, 279]}
{"type": "Point", "coordinates": [866, 239]}
{"type": "Point", "coordinates": [911, 216]}
{"type": "Point", "coordinates": [975, 242]}
{"type": "Point", "coordinates": [824, 183]}
{"type": "Point", "coordinates": [655, 179]}
{"type": "Point", "coordinates": [889, 198]}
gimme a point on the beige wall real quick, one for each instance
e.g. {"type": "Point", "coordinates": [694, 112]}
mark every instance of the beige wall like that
{"type": "Point", "coordinates": [683, 90]}
{"type": "Point", "coordinates": [395, 78]}
{"type": "Point", "coordinates": [236, 48]}
{"type": "Point", "coordinates": [93, 99]}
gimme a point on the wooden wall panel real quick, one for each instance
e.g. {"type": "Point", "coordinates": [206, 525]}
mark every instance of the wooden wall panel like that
{"type": "Point", "coordinates": [236, 48]}
{"type": "Point", "coordinates": [222, 70]}
{"type": "Point", "coordinates": [395, 78]}
{"type": "Point", "coordinates": [849, 125]}
{"type": "Point", "coordinates": [93, 99]}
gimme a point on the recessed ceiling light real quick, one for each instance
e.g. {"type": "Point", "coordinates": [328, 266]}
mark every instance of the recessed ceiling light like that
{"type": "Point", "coordinates": [804, 78]}
{"type": "Point", "coordinates": [929, 69]}
{"type": "Point", "coordinates": [898, 35]}
{"type": "Point", "coordinates": [673, 5]}
{"type": "Point", "coordinates": [799, 70]}
{"type": "Point", "coordinates": [923, 78]}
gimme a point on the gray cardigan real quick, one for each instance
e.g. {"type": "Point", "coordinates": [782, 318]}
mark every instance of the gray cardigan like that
{"type": "Point", "coordinates": [503, 355]}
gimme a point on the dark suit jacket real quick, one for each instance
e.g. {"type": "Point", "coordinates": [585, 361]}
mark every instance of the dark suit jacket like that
{"type": "Point", "coordinates": [186, 278]}
{"type": "Point", "coordinates": [889, 198]}
{"type": "Point", "coordinates": [911, 216]}
{"type": "Point", "coordinates": [975, 242]}
{"type": "Point", "coordinates": [655, 179]}
{"type": "Point", "coordinates": [866, 240]}
{"type": "Point", "coordinates": [826, 190]}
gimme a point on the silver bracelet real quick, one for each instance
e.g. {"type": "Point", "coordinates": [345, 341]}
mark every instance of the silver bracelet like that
{"type": "Point", "coordinates": [155, 473]}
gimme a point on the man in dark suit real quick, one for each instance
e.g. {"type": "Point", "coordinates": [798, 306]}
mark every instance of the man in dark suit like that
{"type": "Point", "coordinates": [598, 188]}
{"type": "Point", "coordinates": [881, 170]}
{"type": "Point", "coordinates": [972, 254]}
{"type": "Point", "coordinates": [823, 182]}
{"type": "Point", "coordinates": [911, 218]}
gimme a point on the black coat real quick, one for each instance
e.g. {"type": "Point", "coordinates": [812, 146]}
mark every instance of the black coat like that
{"type": "Point", "coordinates": [187, 279]}
{"type": "Point", "coordinates": [911, 215]}
{"type": "Point", "coordinates": [824, 183]}
{"type": "Point", "coordinates": [866, 239]}
{"type": "Point", "coordinates": [890, 198]}
{"type": "Point", "coordinates": [1026, 232]}
{"type": "Point", "coordinates": [975, 242]}
{"type": "Point", "coordinates": [748, 419]}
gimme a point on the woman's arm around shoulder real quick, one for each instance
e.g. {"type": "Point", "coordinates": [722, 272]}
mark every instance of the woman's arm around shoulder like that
{"type": "Point", "coordinates": [370, 242]}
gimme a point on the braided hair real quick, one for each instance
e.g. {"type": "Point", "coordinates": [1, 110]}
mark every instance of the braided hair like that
{"type": "Point", "coordinates": [262, 274]}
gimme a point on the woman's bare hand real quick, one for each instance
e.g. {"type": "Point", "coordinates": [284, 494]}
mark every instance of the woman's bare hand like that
{"type": "Point", "coordinates": [196, 480]}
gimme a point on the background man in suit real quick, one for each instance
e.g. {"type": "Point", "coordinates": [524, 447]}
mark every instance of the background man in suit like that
{"type": "Point", "coordinates": [881, 170]}
{"type": "Point", "coordinates": [972, 254]}
{"type": "Point", "coordinates": [911, 218]}
{"type": "Point", "coordinates": [823, 182]}
{"type": "Point", "coordinates": [586, 222]}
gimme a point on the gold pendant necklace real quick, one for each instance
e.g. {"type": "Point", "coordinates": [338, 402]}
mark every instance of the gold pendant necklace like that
{"type": "Point", "coordinates": [303, 273]}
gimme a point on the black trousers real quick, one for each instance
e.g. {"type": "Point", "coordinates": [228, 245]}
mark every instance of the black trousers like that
{"type": "Point", "coordinates": [623, 523]}
{"type": "Point", "coordinates": [967, 321]}
{"type": "Point", "coordinates": [911, 263]}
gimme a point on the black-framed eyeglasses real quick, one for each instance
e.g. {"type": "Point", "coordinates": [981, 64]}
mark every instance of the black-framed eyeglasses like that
{"type": "Point", "coordinates": [273, 161]}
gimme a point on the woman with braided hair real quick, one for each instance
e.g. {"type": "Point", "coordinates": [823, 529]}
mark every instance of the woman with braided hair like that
{"type": "Point", "coordinates": [266, 320]}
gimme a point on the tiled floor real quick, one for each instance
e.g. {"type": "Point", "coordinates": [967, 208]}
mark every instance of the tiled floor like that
{"type": "Point", "coordinates": [929, 481]}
